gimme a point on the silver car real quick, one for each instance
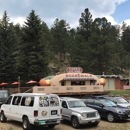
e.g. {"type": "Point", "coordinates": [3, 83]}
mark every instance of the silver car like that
{"type": "Point", "coordinates": [119, 101]}
{"type": "Point", "coordinates": [75, 110]}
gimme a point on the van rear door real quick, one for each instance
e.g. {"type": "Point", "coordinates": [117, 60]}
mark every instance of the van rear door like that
{"type": "Point", "coordinates": [44, 109]}
{"type": "Point", "coordinates": [55, 107]}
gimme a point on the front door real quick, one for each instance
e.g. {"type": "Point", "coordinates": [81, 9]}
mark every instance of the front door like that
{"type": "Point", "coordinates": [7, 107]}
{"type": "Point", "coordinates": [65, 111]}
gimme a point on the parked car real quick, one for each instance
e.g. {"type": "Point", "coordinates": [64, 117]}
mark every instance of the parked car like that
{"type": "Point", "coordinates": [37, 109]}
{"type": "Point", "coordinates": [75, 110]}
{"type": "Point", "coordinates": [4, 94]}
{"type": "Point", "coordinates": [107, 109]}
{"type": "Point", "coordinates": [119, 101]}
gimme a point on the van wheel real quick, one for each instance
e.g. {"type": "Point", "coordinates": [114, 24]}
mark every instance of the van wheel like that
{"type": "Point", "coordinates": [51, 126]}
{"type": "Point", "coordinates": [110, 117]}
{"type": "Point", "coordinates": [26, 124]}
{"type": "Point", "coordinates": [75, 122]}
{"type": "Point", "coordinates": [2, 117]}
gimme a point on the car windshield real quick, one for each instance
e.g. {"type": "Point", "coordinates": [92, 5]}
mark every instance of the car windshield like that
{"type": "Point", "coordinates": [76, 103]}
{"type": "Point", "coordinates": [121, 100]}
{"type": "Point", "coordinates": [3, 94]}
{"type": "Point", "coordinates": [108, 103]}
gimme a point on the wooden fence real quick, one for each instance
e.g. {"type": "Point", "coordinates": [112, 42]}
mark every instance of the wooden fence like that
{"type": "Point", "coordinates": [15, 90]}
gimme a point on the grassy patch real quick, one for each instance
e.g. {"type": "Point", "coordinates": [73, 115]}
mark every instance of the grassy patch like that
{"type": "Point", "coordinates": [119, 92]}
{"type": "Point", "coordinates": [10, 128]}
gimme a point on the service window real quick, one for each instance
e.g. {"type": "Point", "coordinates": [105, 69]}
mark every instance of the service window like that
{"type": "Point", "coordinates": [16, 100]}
{"type": "Point", "coordinates": [27, 101]}
{"type": "Point", "coordinates": [9, 100]}
{"type": "Point", "coordinates": [77, 83]}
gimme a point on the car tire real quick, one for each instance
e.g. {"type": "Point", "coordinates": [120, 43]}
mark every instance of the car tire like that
{"type": "Point", "coordinates": [110, 117]}
{"type": "Point", "coordinates": [26, 124]}
{"type": "Point", "coordinates": [75, 122]}
{"type": "Point", "coordinates": [51, 126]}
{"type": "Point", "coordinates": [2, 117]}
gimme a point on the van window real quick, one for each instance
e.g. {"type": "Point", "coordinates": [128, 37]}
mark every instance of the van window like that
{"type": "Point", "coordinates": [9, 100]}
{"type": "Point", "coordinates": [54, 101]}
{"type": "Point", "coordinates": [27, 101]}
{"type": "Point", "coordinates": [16, 100]}
{"type": "Point", "coordinates": [43, 101]}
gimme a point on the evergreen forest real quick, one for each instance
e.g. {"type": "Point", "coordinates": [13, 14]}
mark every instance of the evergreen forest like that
{"type": "Point", "coordinates": [34, 50]}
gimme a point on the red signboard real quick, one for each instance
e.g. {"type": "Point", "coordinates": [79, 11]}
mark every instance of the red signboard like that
{"type": "Point", "coordinates": [74, 70]}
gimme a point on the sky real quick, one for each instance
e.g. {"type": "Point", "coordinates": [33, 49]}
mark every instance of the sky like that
{"type": "Point", "coordinates": [116, 11]}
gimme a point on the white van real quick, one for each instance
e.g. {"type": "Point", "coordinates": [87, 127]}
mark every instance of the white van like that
{"type": "Point", "coordinates": [32, 108]}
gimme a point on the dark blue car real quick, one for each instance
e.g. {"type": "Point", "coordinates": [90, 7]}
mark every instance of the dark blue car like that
{"type": "Point", "coordinates": [108, 109]}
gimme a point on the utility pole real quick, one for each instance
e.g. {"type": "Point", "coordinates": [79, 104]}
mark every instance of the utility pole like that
{"type": "Point", "coordinates": [129, 78]}
{"type": "Point", "coordinates": [19, 84]}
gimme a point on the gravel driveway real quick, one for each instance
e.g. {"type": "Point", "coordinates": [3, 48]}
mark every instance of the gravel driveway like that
{"type": "Point", "coordinates": [103, 125]}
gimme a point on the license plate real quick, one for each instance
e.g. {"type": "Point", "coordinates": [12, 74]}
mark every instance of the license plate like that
{"type": "Point", "coordinates": [93, 120]}
{"type": "Point", "coordinates": [58, 121]}
{"type": "Point", "coordinates": [42, 122]}
{"type": "Point", "coordinates": [54, 112]}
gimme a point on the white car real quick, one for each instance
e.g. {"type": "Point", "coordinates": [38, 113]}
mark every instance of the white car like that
{"type": "Point", "coordinates": [39, 109]}
{"type": "Point", "coordinates": [75, 111]}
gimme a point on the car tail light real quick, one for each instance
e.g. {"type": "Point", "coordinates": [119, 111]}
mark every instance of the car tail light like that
{"type": "Point", "coordinates": [60, 111]}
{"type": "Point", "coordinates": [35, 113]}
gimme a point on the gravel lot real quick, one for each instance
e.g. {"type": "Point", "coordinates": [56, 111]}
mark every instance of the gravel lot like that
{"type": "Point", "coordinates": [103, 125]}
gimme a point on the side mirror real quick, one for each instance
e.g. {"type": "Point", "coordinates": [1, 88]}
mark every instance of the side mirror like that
{"type": "Point", "coordinates": [101, 105]}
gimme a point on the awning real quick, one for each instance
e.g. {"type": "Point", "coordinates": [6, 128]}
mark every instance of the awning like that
{"type": "Point", "coordinates": [78, 78]}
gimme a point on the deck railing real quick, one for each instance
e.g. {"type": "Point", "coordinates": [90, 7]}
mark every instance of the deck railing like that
{"type": "Point", "coordinates": [68, 89]}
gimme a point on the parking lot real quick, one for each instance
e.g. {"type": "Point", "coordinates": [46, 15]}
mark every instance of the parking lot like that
{"type": "Point", "coordinates": [103, 125]}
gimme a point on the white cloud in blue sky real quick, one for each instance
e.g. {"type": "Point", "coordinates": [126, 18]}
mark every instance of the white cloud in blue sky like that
{"type": "Point", "coordinates": [69, 10]}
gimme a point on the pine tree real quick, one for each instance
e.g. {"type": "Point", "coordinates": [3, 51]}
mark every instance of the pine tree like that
{"type": "Point", "coordinates": [85, 23]}
{"type": "Point", "coordinates": [8, 45]}
{"type": "Point", "coordinates": [100, 47]}
{"type": "Point", "coordinates": [59, 38]}
{"type": "Point", "coordinates": [34, 53]}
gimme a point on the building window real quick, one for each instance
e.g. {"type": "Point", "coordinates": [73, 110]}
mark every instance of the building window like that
{"type": "Point", "coordinates": [127, 83]}
{"type": "Point", "coordinates": [92, 82]}
{"type": "Point", "coordinates": [62, 83]}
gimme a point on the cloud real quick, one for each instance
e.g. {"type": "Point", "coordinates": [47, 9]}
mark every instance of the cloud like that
{"type": "Point", "coordinates": [69, 10]}
{"type": "Point", "coordinates": [18, 20]}
{"type": "Point", "coordinates": [105, 8]}
{"type": "Point", "coordinates": [111, 19]}
{"type": "Point", "coordinates": [127, 21]}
